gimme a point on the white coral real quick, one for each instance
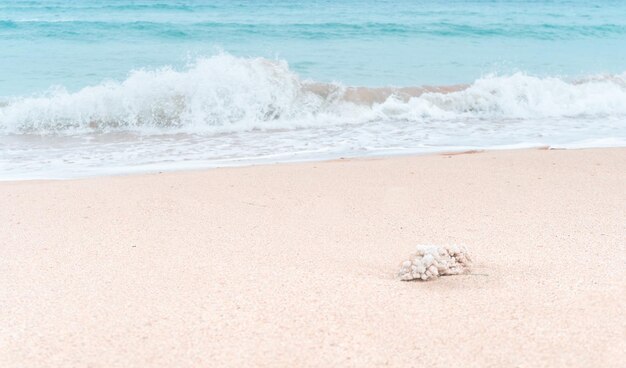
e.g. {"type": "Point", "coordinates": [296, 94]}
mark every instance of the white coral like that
{"type": "Point", "coordinates": [431, 261]}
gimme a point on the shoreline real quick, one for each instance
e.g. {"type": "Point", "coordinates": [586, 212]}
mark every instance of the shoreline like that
{"type": "Point", "coordinates": [260, 163]}
{"type": "Point", "coordinates": [293, 264]}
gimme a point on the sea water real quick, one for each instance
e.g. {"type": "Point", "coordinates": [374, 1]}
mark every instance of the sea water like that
{"type": "Point", "coordinates": [100, 87]}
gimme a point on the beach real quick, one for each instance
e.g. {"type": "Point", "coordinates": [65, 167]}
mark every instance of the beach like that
{"type": "Point", "coordinates": [294, 264]}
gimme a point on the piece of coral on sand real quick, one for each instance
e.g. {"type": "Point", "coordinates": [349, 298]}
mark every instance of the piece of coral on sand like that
{"type": "Point", "coordinates": [431, 261]}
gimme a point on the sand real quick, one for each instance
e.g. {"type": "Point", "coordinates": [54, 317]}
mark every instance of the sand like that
{"type": "Point", "coordinates": [293, 265]}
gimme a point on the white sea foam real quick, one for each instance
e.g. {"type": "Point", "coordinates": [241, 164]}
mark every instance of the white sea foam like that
{"type": "Point", "coordinates": [224, 93]}
{"type": "Point", "coordinates": [225, 111]}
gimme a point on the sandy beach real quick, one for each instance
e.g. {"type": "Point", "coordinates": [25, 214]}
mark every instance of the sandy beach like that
{"type": "Point", "coordinates": [293, 265]}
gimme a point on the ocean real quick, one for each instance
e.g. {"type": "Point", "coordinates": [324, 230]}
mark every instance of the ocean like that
{"type": "Point", "coordinates": [107, 87]}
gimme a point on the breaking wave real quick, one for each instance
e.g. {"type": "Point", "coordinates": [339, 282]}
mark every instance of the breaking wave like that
{"type": "Point", "coordinates": [225, 93]}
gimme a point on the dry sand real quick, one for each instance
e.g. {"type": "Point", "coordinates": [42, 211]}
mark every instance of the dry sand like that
{"type": "Point", "coordinates": [292, 265]}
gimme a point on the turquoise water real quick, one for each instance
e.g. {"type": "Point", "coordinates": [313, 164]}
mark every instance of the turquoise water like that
{"type": "Point", "coordinates": [369, 43]}
{"type": "Point", "coordinates": [111, 86]}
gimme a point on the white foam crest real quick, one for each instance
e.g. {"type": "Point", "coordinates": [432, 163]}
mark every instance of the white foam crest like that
{"type": "Point", "coordinates": [518, 96]}
{"type": "Point", "coordinates": [524, 96]}
{"type": "Point", "coordinates": [224, 93]}
{"type": "Point", "coordinates": [221, 93]}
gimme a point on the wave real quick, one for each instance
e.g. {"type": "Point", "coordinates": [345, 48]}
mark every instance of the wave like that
{"type": "Point", "coordinates": [225, 93]}
{"type": "Point", "coordinates": [81, 29]}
